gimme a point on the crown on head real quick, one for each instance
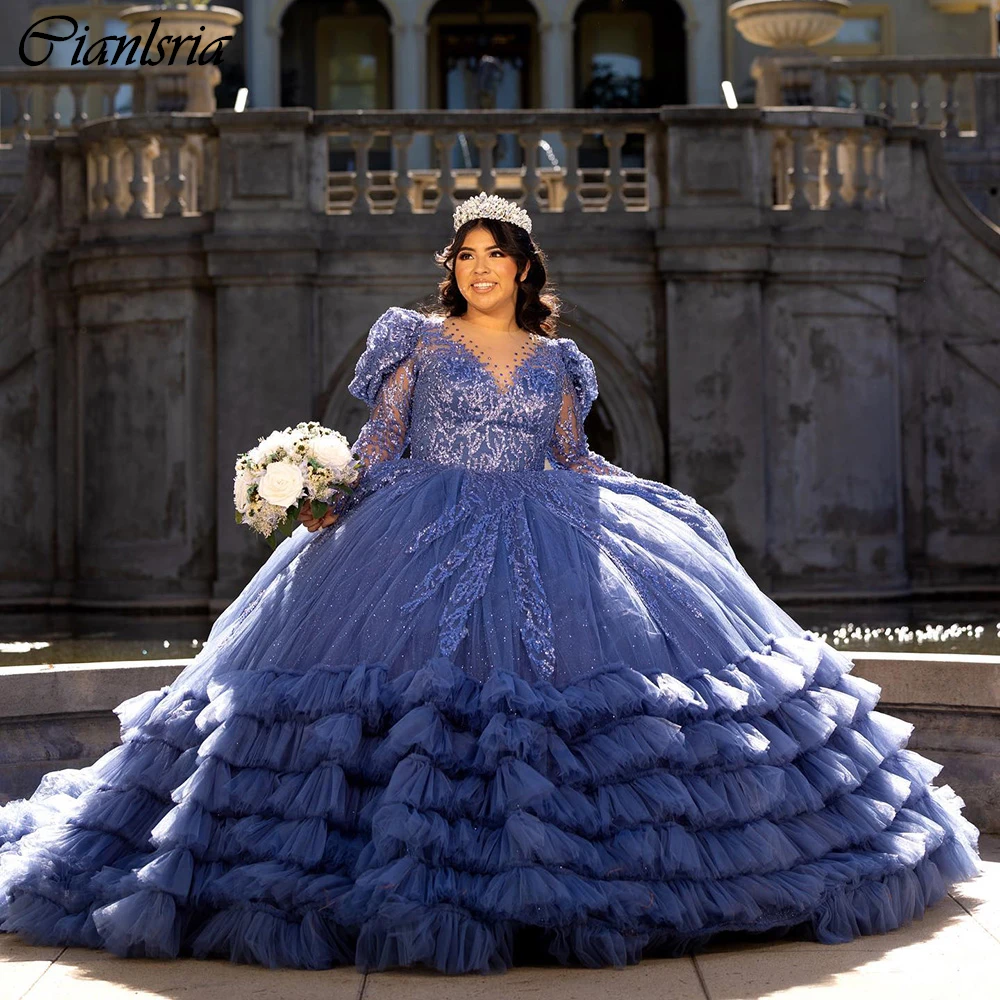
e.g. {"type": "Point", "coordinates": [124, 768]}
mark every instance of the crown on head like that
{"type": "Point", "coordinates": [484, 206]}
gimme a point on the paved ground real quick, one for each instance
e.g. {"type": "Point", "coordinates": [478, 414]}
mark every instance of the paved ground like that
{"type": "Point", "coordinates": [953, 952]}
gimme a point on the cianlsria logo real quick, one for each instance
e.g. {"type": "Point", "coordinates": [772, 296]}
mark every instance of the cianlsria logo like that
{"type": "Point", "coordinates": [119, 50]}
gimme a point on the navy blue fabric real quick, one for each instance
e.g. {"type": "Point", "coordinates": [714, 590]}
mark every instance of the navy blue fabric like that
{"type": "Point", "coordinates": [496, 703]}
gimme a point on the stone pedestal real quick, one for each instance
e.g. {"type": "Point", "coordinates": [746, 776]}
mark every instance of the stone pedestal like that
{"type": "Point", "coordinates": [211, 24]}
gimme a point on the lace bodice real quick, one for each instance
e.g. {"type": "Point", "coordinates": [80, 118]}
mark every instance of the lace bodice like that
{"type": "Point", "coordinates": [427, 389]}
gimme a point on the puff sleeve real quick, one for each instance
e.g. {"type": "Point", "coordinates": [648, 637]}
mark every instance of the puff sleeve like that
{"type": "Point", "coordinates": [384, 378]}
{"type": "Point", "coordinates": [569, 448]}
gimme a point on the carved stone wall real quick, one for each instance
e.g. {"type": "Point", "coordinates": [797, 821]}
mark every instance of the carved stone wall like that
{"type": "Point", "coordinates": [821, 377]}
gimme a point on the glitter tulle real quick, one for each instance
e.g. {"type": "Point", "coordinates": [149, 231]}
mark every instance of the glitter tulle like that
{"type": "Point", "coordinates": [495, 703]}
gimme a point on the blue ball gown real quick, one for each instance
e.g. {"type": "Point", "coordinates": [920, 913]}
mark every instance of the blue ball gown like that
{"type": "Point", "coordinates": [497, 706]}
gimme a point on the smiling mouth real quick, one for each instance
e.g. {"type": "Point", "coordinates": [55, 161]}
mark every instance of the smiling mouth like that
{"type": "Point", "coordinates": [483, 286]}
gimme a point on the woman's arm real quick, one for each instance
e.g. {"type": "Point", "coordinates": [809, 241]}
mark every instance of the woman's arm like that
{"type": "Point", "coordinates": [569, 448]}
{"type": "Point", "coordinates": [384, 435]}
{"type": "Point", "coordinates": [381, 439]}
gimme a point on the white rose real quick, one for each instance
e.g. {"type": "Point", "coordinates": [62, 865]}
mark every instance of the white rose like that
{"type": "Point", "coordinates": [331, 450]}
{"type": "Point", "coordinates": [281, 484]}
{"type": "Point", "coordinates": [241, 484]}
{"type": "Point", "coordinates": [274, 441]}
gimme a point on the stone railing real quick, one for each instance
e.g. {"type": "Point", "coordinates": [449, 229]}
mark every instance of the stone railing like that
{"type": "Point", "coordinates": [158, 165]}
{"type": "Point", "coordinates": [611, 186]}
{"type": "Point", "coordinates": [164, 165]}
{"type": "Point", "coordinates": [824, 159]}
{"type": "Point", "coordinates": [950, 92]}
{"type": "Point", "coordinates": [55, 101]}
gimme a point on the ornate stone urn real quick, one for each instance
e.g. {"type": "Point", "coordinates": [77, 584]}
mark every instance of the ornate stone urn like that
{"type": "Point", "coordinates": [210, 24]}
{"type": "Point", "coordinates": [788, 24]}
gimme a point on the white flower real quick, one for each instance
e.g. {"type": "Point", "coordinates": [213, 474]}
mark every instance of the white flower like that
{"type": "Point", "coordinates": [331, 450]}
{"type": "Point", "coordinates": [281, 484]}
{"type": "Point", "coordinates": [275, 441]}
{"type": "Point", "coordinates": [241, 484]}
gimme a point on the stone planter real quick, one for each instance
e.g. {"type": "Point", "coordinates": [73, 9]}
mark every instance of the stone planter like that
{"type": "Point", "coordinates": [195, 84]}
{"type": "Point", "coordinates": [788, 24]}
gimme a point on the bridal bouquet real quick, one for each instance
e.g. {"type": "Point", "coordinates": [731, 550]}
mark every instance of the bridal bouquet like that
{"type": "Point", "coordinates": [304, 464]}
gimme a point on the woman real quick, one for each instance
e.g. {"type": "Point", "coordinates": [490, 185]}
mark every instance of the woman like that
{"type": "Point", "coordinates": [491, 704]}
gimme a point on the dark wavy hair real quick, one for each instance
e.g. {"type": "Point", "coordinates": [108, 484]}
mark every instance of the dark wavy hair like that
{"type": "Point", "coordinates": [534, 310]}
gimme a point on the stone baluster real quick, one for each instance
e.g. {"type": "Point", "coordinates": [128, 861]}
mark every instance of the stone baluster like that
{"type": "Point", "coordinates": [191, 165]}
{"type": "Point", "coordinates": [833, 178]}
{"type": "Point", "coordinates": [949, 106]}
{"type": "Point", "coordinates": [797, 176]}
{"type": "Point", "coordinates": [485, 141]}
{"type": "Point", "coordinates": [79, 92]}
{"type": "Point", "coordinates": [175, 179]}
{"type": "Point", "coordinates": [918, 106]}
{"type": "Point", "coordinates": [139, 184]}
{"type": "Point", "coordinates": [98, 201]}
{"type": "Point", "coordinates": [875, 196]}
{"type": "Point", "coordinates": [402, 141]}
{"type": "Point", "coordinates": [887, 106]}
{"type": "Point", "coordinates": [444, 143]}
{"type": "Point", "coordinates": [114, 185]}
{"type": "Point", "coordinates": [858, 81]}
{"type": "Point", "coordinates": [109, 92]}
{"type": "Point", "coordinates": [654, 158]}
{"type": "Point", "coordinates": [208, 191]}
{"type": "Point", "coordinates": [532, 182]}
{"type": "Point", "coordinates": [614, 139]}
{"type": "Point", "coordinates": [572, 138]}
{"type": "Point", "coordinates": [860, 169]}
{"type": "Point", "coordinates": [50, 92]}
{"type": "Point", "coordinates": [779, 168]}
{"type": "Point", "coordinates": [22, 116]}
{"type": "Point", "coordinates": [361, 143]}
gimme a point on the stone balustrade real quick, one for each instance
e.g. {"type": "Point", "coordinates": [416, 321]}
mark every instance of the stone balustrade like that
{"type": "Point", "coordinates": [569, 187]}
{"type": "Point", "coordinates": [827, 160]}
{"type": "Point", "coordinates": [174, 285]}
{"type": "Point", "coordinates": [912, 90]}
{"type": "Point", "coordinates": [157, 165]}
{"type": "Point", "coordinates": [162, 165]}
{"type": "Point", "coordinates": [55, 101]}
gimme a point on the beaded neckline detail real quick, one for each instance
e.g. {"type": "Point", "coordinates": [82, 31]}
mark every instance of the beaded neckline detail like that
{"type": "Point", "coordinates": [513, 369]}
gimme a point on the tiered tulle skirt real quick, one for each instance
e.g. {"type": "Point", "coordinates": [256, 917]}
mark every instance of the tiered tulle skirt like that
{"type": "Point", "coordinates": [335, 780]}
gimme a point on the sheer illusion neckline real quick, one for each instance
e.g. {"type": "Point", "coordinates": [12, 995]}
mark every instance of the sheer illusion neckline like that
{"type": "Point", "coordinates": [522, 356]}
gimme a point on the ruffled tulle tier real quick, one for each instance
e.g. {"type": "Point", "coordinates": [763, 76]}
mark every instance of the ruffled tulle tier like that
{"type": "Point", "coordinates": [338, 814]}
{"type": "Point", "coordinates": [490, 712]}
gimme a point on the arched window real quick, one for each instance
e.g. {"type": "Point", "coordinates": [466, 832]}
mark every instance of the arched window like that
{"type": "Point", "coordinates": [630, 54]}
{"type": "Point", "coordinates": [483, 56]}
{"type": "Point", "coordinates": [336, 55]}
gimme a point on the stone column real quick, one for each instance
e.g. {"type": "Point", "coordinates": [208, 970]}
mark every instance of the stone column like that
{"type": "Point", "coordinates": [264, 54]}
{"type": "Point", "coordinates": [557, 75]}
{"type": "Point", "coordinates": [704, 55]}
{"type": "Point", "coordinates": [409, 83]}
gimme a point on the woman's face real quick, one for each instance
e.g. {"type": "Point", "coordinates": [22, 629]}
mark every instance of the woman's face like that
{"type": "Point", "coordinates": [485, 274]}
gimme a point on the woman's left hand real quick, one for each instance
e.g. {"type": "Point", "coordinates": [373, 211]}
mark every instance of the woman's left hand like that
{"type": "Point", "coordinates": [315, 523]}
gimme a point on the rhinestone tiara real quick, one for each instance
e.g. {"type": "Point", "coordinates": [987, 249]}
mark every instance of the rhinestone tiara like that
{"type": "Point", "coordinates": [484, 206]}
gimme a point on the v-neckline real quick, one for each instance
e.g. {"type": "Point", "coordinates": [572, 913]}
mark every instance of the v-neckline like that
{"type": "Point", "coordinates": [487, 371]}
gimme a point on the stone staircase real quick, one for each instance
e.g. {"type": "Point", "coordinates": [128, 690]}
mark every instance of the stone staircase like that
{"type": "Point", "coordinates": [12, 163]}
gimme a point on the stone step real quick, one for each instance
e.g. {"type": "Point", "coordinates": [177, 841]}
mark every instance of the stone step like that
{"type": "Point", "coordinates": [12, 166]}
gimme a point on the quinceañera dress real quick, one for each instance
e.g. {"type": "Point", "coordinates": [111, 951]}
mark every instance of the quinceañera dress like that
{"type": "Point", "coordinates": [495, 705]}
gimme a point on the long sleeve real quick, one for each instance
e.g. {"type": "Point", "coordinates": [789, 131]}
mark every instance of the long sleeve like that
{"type": "Point", "coordinates": [385, 378]}
{"type": "Point", "coordinates": [569, 448]}
{"type": "Point", "coordinates": [385, 433]}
